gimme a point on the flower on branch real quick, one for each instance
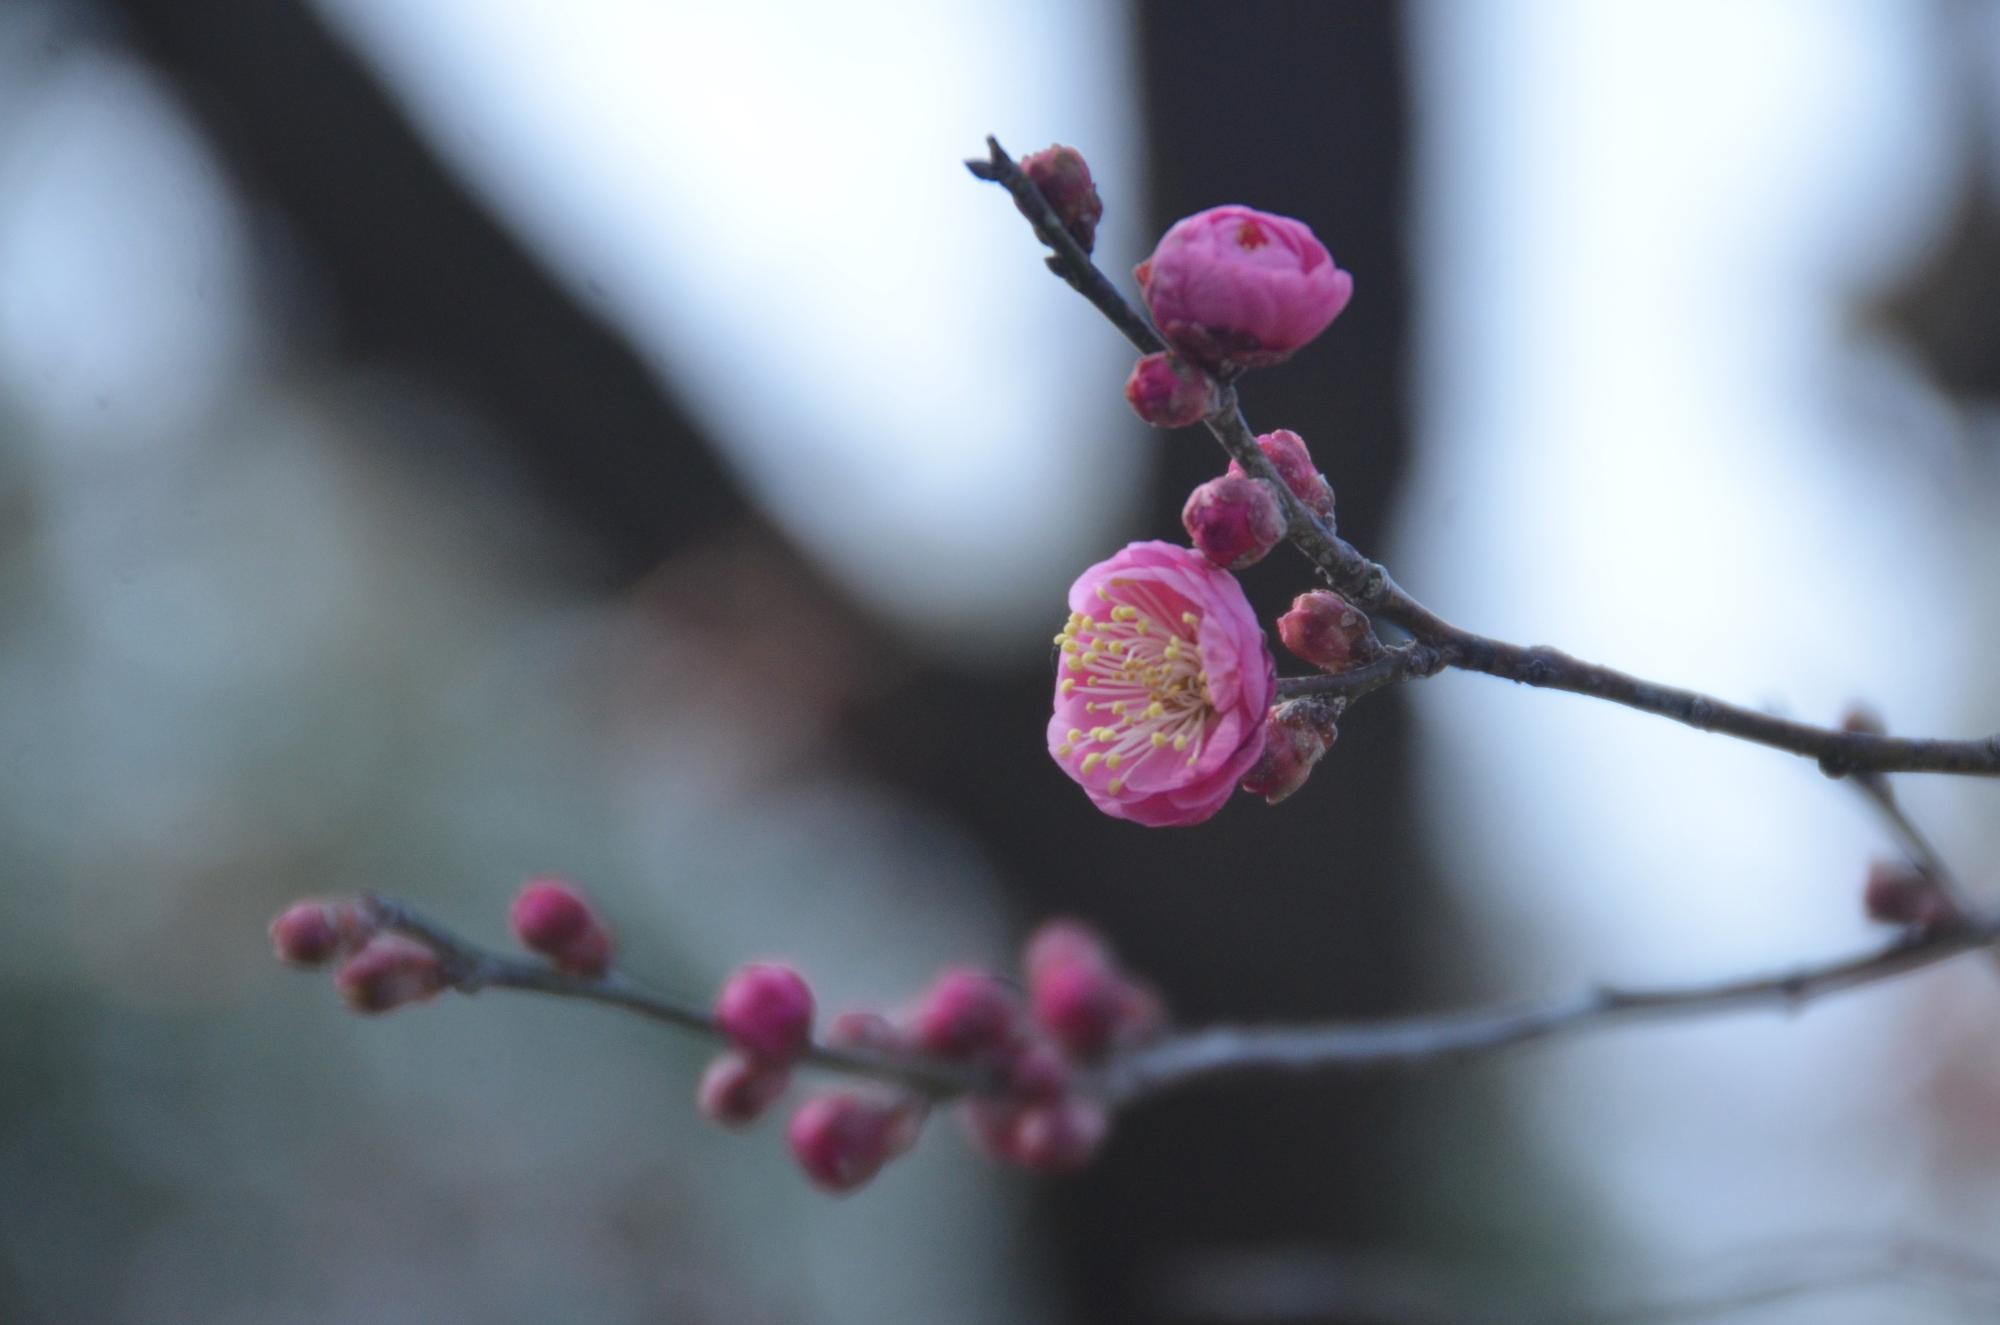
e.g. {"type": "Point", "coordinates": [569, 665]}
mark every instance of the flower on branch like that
{"type": "Point", "coordinates": [1162, 686]}
{"type": "Point", "coordinates": [1235, 288]}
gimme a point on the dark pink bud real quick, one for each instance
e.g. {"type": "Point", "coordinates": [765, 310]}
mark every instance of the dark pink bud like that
{"type": "Point", "coordinates": [843, 1140]}
{"type": "Point", "coordinates": [1234, 520]}
{"type": "Point", "coordinates": [965, 1013]}
{"type": "Point", "coordinates": [1286, 451]}
{"type": "Point", "coordinates": [1064, 942]}
{"type": "Point", "coordinates": [1292, 746]}
{"type": "Point", "coordinates": [553, 918]}
{"type": "Point", "coordinates": [767, 1010]}
{"type": "Point", "coordinates": [389, 972]}
{"type": "Point", "coordinates": [1060, 1137]}
{"type": "Point", "coordinates": [1063, 177]}
{"type": "Point", "coordinates": [1897, 894]}
{"type": "Point", "coordinates": [1234, 288]}
{"type": "Point", "coordinates": [1862, 720]}
{"type": "Point", "coordinates": [1329, 632]}
{"type": "Point", "coordinates": [1080, 1004]}
{"type": "Point", "coordinates": [736, 1089]}
{"type": "Point", "coordinates": [1168, 392]}
{"type": "Point", "coordinates": [317, 930]}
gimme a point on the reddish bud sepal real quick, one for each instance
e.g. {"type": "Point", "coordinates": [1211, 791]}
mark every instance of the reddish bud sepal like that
{"type": "Point", "coordinates": [1063, 177]}
{"type": "Point", "coordinates": [1286, 451]}
{"type": "Point", "coordinates": [551, 917]}
{"type": "Point", "coordinates": [315, 931]}
{"type": "Point", "coordinates": [1296, 737]}
{"type": "Point", "coordinates": [736, 1090]}
{"type": "Point", "coordinates": [767, 1009]}
{"type": "Point", "coordinates": [389, 972]}
{"type": "Point", "coordinates": [1169, 392]}
{"type": "Point", "coordinates": [1329, 632]}
{"type": "Point", "coordinates": [842, 1140]}
{"type": "Point", "coordinates": [1234, 520]}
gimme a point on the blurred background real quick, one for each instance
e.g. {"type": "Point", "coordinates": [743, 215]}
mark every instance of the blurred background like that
{"type": "Point", "coordinates": [448, 440]}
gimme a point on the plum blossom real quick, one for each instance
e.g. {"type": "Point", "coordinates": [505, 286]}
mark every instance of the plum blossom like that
{"type": "Point", "coordinates": [1163, 685]}
{"type": "Point", "coordinates": [1234, 288]}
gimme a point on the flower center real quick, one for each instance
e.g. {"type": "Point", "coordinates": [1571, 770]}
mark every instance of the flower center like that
{"type": "Point", "coordinates": [1250, 235]}
{"type": "Point", "coordinates": [1139, 670]}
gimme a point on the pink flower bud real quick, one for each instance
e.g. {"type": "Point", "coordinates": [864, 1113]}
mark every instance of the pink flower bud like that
{"type": "Point", "coordinates": [1286, 451]}
{"type": "Point", "coordinates": [966, 1013]}
{"type": "Point", "coordinates": [1063, 177]}
{"type": "Point", "coordinates": [1178, 640]}
{"type": "Point", "coordinates": [1235, 288]}
{"type": "Point", "coordinates": [737, 1089]}
{"type": "Point", "coordinates": [1169, 392]}
{"type": "Point", "coordinates": [1234, 520]}
{"type": "Point", "coordinates": [389, 972]}
{"type": "Point", "coordinates": [1080, 1005]}
{"type": "Point", "coordinates": [1897, 894]}
{"type": "Point", "coordinates": [1862, 720]}
{"type": "Point", "coordinates": [1291, 748]}
{"type": "Point", "coordinates": [843, 1140]}
{"type": "Point", "coordinates": [1060, 1137]}
{"type": "Point", "coordinates": [315, 931]}
{"type": "Point", "coordinates": [1064, 942]}
{"type": "Point", "coordinates": [767, 1009]}
{"type": "Point", "coordinates": [1329, 632]}
{"type": "Point", "coordinates": [553, 918]}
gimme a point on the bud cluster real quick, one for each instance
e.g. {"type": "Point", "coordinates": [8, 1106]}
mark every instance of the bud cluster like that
{"type": "Point", "coordinates": [1025, 1052]}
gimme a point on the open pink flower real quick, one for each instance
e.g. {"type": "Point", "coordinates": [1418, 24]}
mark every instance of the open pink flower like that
{"type": "Point", "coordinates": [1233, 287]}
{"type": "Point", "coordinates": [1162, 688]}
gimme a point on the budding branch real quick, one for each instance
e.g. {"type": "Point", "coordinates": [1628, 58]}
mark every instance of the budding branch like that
{"type": "Point", "coordinates": [1370, 587]}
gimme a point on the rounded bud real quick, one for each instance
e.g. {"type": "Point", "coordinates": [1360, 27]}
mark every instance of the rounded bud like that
{"type": "Point", "coordinates": [1287, 452]}
{"type": "Point", "coordinates": [1080, 1004]}
{"type": "Point", "coordinates": [737, 1089]}
{"type": "Point", "coordinates": [1063, 942]}
{"type": "Point", "coordinates": [1293, 743]}
{"type": "Point", "coordinates": [1898, 894]}
{"type": "Point", "coordinates": [1060, 1137]}
{"type": "Point", "coordinates": [843, 1140]}
{"type": "Point", "coordinates": [315, 931]}
{"type": "Point", "coordinates": [1862, 720]}
{"type": "Point", "coordinates": [387, 973]}
{"type": "Point", "coordinates": [1234, 520]}
{"type": "Point", "coordinates": [1063, 177]}
{"type": "Point", "coordinates": [1169, 392]}
{"type": "Point", "coordinates": [551, 917]}
{"type": "Point", "coordinates": [864, 1030]}
{"type": "Point", "coordinates": [1329, 632]}
{"type": "Point", "coordinates": [767, 1009]}
{"type": "Point", "coordinates": [1235, 288]}
{"type": "Point", "coordinates": [966, 1012]}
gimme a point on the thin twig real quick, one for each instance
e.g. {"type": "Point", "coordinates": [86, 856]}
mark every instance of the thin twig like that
{"type": "Point", "coordinates": [1369, 586]}
{"type": "Point", "coordinates": [1423, 1041]}
{"type": "Point", "coordinates": [470, 968]}
{"type": "Point", "coordinates": [1226, 1050]}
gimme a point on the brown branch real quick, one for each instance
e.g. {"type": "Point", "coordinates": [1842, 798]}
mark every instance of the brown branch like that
{"type": "Point", "coordinates": [1176, 1060]}
{"type": "Point", "coordinates": [469, 968]}
{"type": "Point", "coordinates": [1369, 586]}
{"type": "Point", "coordinates": [1423, 1041]}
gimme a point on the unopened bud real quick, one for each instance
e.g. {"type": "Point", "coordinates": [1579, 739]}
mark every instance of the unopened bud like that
{"type": "Point", "coordinates": [1862, 720]}
{"type": "Point", "coordinates": [870, 1031]}
{"type": "Point", "coordinates": [1168, 391]}
{"type": "Point", "coordinates": [1293, 744]}
{"type": "Point", "coordinates": [1060, 1137]}
{"type": "Point", "coordinates": [1898, 894]}
{"type": "Point", "coordinates": [1286, 451]}
{"type": "Point", "coordinates": [389, 972]}
{"type": "Point", "coordinates": [553, 918]}
{"type": "Point", "coordinates": [966, 1013]}
{"type": "Point", "coordinates": [767, 1009]}
{"type": "Point", "coordinates": [737, 1089]}
{"type": "Point", "coordinates": [1234, 520]}
{"type": "Point", "coordinates": [317, 930]}
{"type": "Point", "coordinates": [1329, 632]}
{"type": "Point", "coordinates": [843, 1140]}
{"type": "Point", "coordinates": [1063, 177]}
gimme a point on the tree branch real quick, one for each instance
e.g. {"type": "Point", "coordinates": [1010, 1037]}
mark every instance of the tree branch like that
{"type": "Point", "coordinates": [1369, 586]}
